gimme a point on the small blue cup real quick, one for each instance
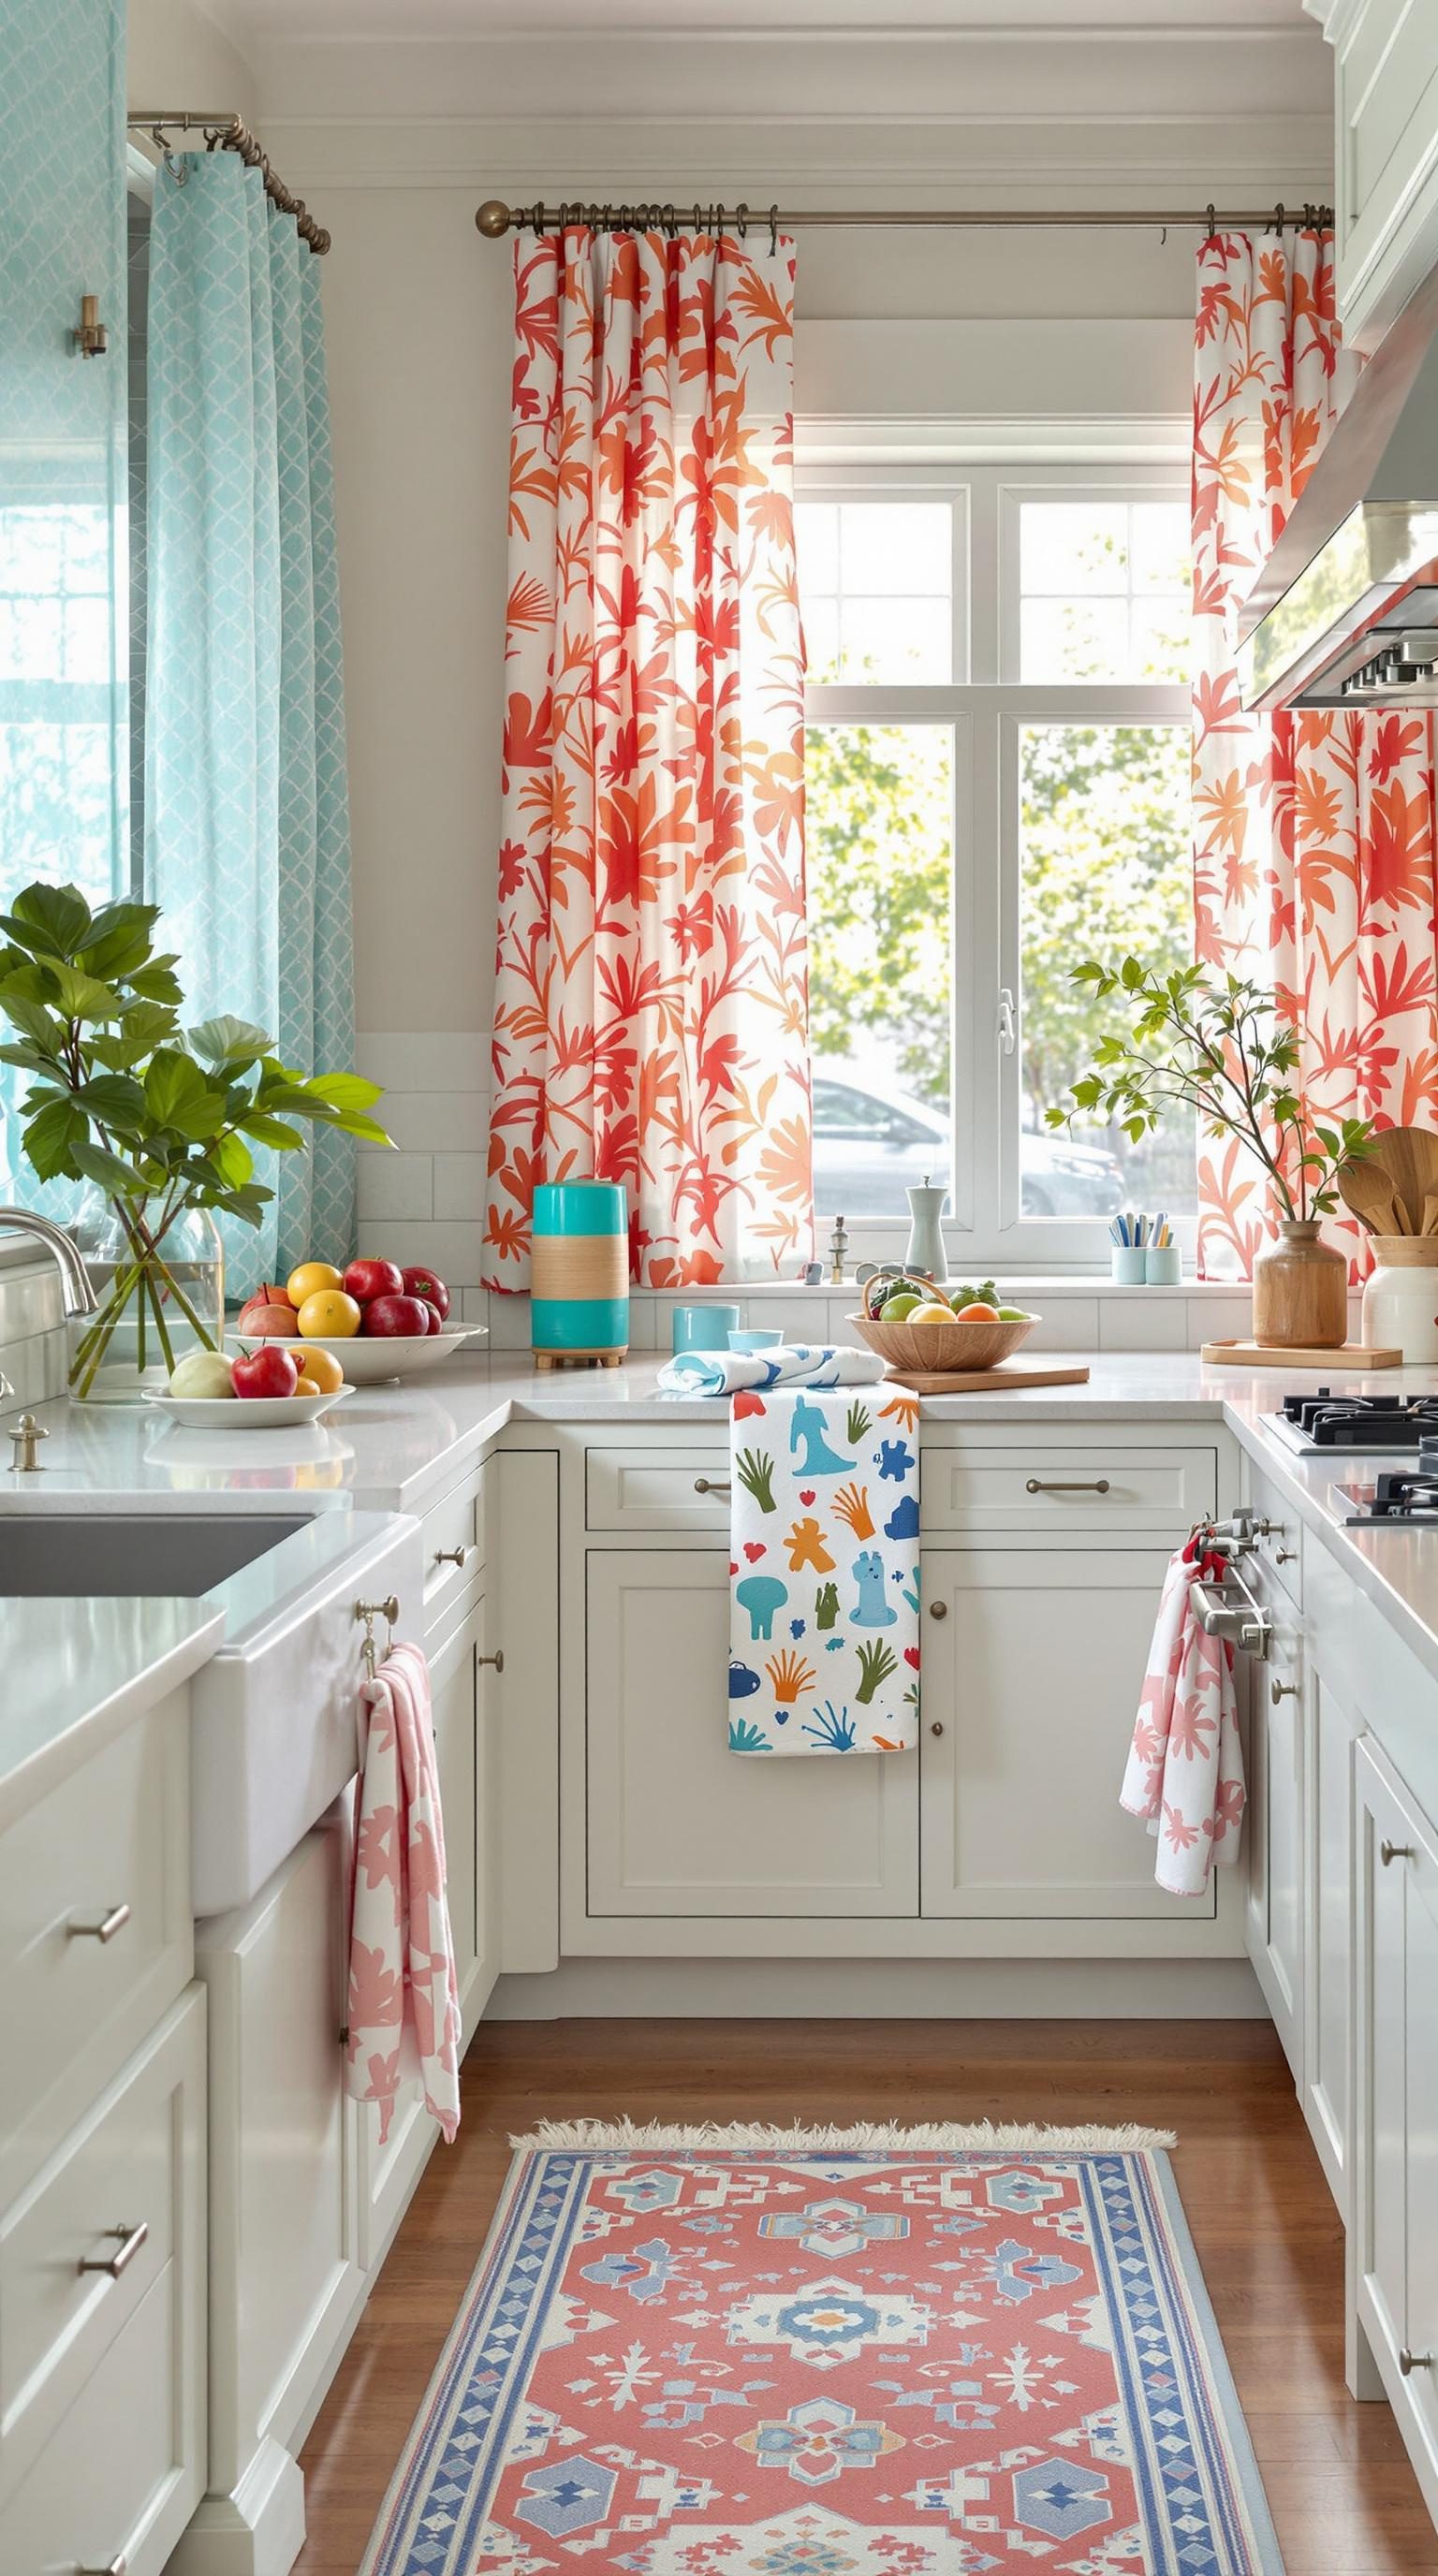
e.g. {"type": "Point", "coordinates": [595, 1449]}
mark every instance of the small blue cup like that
{"type": "Point", "coordinates": [704, 1328]}
{"type": "Point", "coordinates": [761, 1338]}
{"type": "Point", "coordinates": [1163, 1265]}
{"type": "Point", "coordinates": [1128, 1263]}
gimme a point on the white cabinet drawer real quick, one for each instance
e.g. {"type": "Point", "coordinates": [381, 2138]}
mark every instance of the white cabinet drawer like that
{"type": "Point", "coordinates": [135, 2164]}
{"type": "Point", "coordinates": [452, 1539]}
{"type": "Point", "coordinates": [1042, 1485]}
{"type": "Point", "coordinates": [73, 2005]}
{"type": "Point", "coordinates": [649, 1488]}
{"type": "Point", "coordinates": [120, 2478]}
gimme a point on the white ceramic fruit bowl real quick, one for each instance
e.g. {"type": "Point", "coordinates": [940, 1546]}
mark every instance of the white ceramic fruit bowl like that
{"type": "Point", "coordinates": [935, 1348]}
{"type": "Point", "coordinates": [243, 1412]}
{"type": "Point", "coordinates": [366, 1361]}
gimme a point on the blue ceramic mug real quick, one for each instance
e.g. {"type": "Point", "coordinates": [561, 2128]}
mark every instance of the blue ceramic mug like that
{"type": "Point", "coordinates": [704, 1328]}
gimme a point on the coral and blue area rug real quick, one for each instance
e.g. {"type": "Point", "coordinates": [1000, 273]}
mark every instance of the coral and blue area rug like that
{"type": "Point", "coordinates": [864, 2352]}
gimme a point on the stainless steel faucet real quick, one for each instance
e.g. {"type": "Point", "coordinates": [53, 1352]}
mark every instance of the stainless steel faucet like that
{"type": "Point", "coordinates": [78, 1295]}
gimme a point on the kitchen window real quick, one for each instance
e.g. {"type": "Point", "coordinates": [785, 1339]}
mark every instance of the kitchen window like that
{"type": "Point", "coordinates": [997, 785]}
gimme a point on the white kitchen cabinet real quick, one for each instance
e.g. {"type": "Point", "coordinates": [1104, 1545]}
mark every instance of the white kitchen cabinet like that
{"type": "Point", "coordinates": [1385, 65]}
{"type": "Point", "coordinates": [1033, 1661]}
{"type": "Point", "coordinates": [284, 2248]}
{"type": "Point", "coordinates": [1275, 1825]}
{"type": "Point", "coordinates": [678, 1825]}
{"type": "Point", "coordinates": [1331, 1730]}
{"type": "Point", "coordinates": [1396, 2128]}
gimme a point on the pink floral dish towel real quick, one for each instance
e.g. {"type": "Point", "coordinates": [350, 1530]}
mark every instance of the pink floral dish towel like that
{"type": "Point", "coordinates": [403, 1997]}
{"type": "Point", "coordinates": [1185, 1766]}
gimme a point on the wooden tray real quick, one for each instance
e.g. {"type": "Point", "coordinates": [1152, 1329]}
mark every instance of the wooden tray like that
{"type": "Point", "coordinates": [1353, 1355]}
{"type": "Point", "coordinates": [978, 1381]}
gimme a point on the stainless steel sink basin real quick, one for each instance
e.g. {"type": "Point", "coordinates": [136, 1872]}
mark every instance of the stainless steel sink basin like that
{"type": "Point", "coordinates": [55, 1555]}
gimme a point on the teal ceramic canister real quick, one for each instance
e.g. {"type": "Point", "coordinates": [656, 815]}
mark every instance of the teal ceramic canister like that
{"type": "Point", "coordinates": [579, 1272]}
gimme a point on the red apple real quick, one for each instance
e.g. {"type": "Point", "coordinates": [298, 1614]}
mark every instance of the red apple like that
{"type": "Point", "coordinates": [424, 1283]}
{"type": "Point", "coordinates": [390, 1316]}
{"type": "Point", "coordinates": [267, 1371]}
{"type": "Point", "coordinates": [366, 1280]}
{"type": "Point", "coordinates": [274, 1293]}
{"type": "Point", "coordinates": [436, 1319]}
{"type": "Point", "coordinates": [262, 1315]}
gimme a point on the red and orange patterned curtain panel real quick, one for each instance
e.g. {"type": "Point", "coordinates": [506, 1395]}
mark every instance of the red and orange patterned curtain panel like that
{"type": "Point", "coordinates": [651, 1012]}
{"type": "Point", "coordinates": [1313, 834]}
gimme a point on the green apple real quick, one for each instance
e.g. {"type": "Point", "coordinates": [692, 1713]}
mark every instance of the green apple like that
{"type": "Point", "coordinates": [202, 1373]}
{"type": "Point", "coordinates": [1013, 1315]}
{"type": "Point", "coordinates": [897, 1309]}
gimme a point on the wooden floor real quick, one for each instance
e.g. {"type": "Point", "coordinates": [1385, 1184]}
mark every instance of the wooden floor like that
{"type": "Point", "coordinates": [1342, 2493]}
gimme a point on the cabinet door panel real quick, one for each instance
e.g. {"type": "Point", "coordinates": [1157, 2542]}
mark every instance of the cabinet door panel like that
{"type": "Point", "coordinates": [679, 1825]}
{"type": "Point", "coordinates": [454, 1688]}
{"type": "Point", "coordinates": [1329, 1843]}
{"type": "Point", "coordinates": [1382, 2199]}
{"type": "Point", "coordinates": [1033, 1674]}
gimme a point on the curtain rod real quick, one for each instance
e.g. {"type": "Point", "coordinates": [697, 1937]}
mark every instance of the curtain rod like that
{"type": "Point", "coordinates": [229, 133]}
{"type": "Point", "coordinates": [494, 219]}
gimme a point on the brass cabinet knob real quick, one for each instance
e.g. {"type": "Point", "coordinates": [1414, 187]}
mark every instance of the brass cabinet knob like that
{"type": "Point", "coordinates": [936, 1726]}
{"type": "Point", "coordinates": [938, 1609]}
{"type": "Point", "coordinates": [450, 1555]}
{"type": "Point", "coordinates": [1279, 1691]}
{"type": "Point", "coordinates": [496, 1659]}
{"type": "Point", "coordinates": [1408, 2361]}
{"type": "Point", "coordinates": [1389, 1852]}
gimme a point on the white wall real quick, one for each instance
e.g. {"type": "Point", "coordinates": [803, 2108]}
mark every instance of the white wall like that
{"type": "Point", "coordinates": [178, 58]}
{"type": "Point", "coordinates": [395, 144]}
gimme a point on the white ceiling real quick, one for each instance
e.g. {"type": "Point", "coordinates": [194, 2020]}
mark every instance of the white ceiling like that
{"type": "Point", "coordinates": [360, 21]}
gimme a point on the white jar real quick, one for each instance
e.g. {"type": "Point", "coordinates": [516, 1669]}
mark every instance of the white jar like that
{"type": "Point", "coordinates": [1400, 1298]}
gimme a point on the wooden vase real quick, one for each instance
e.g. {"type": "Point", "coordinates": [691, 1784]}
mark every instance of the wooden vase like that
{"type": "Point", "coordinates": [1300, 1291]}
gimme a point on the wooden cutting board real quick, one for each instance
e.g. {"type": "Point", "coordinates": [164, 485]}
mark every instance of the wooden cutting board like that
{"type": "Point", "coordinates": [1353, 1355]}
{"type": "Point", "coordinates": [978, 1381]}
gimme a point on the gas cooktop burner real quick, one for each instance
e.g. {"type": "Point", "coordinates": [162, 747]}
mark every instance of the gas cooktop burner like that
{"type": "Point", "coordinates": [1408, 1494]}
{"type": "Point", "coordinates": [1328, 1421]}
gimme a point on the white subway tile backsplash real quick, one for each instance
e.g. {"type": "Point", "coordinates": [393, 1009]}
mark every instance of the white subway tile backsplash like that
{"type": "Point", "coordinates": [509, 1323]}
{"type": "Point", "coordinates": [1134, 1323]}
{"type": "Point", "coordinates": [396, 1186]}
{"type": "Point", "coordinates": [459, 1184]}
{"type": "Point", "coordinates": [474, 1305]}
{"type": "Point", "coordinates": [1065, 1323]}
{"type": "Point", "coordinates": [453, 1249]}
{"type": "Point", "coordinates": [436, 1122]}
{"type": "Point", "coordinates": [425, 1059]}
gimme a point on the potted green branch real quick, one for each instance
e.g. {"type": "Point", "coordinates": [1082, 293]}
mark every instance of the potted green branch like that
{"type": "Point", "coordinates": [161, 1121]}
{"type": "Point", "coordinates": [1220, 1045]}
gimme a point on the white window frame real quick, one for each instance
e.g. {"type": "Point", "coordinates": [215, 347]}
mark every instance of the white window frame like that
{"type": "Point", "coordinates": [986, 707]}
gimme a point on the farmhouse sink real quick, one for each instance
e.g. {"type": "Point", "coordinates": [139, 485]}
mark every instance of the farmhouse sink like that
{"type": "Point", "coordinates": [273, 1733]}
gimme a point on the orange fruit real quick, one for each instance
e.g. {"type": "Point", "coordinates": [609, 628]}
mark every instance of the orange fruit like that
{"type": "Point", "coordinates": [322, 1366]}
{"type": "Point", "coordinates": [330, 1312]}
{"type": "Point", "coordinates": [978, 1313]}
{"type": "Point", "coordinates": [311, 1278]}
{"type": "Point", "coordinates": [306, 1385]}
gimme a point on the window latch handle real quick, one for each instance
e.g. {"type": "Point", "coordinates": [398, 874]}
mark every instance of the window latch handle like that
{"type": "Point", "coordinates": [1008, 1024]}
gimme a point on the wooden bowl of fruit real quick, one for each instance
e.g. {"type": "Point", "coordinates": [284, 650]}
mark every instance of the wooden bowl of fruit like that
{"type": "Point", "coordinates": [914, 1325]}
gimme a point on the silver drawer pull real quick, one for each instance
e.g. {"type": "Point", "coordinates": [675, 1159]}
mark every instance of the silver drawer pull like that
{"type": "Point", "coordinates": [1241, 1624]}
{"type": "Point", "coordinates": [1408, 2361]}
{"type": "Point", "coordinates": [105, 1930]}
{"type": "Point", "coordinates": [131, 2240]}
{"type": "Point", "coordinates": [450, 1555]}
{"type": "Point", "coordinates": [1389, 1852]}
{"type": "Point", "coordinates": [117, 2567]}
{"type": "Point", "coordinates": [711, 1484]}
{"type": "Point", "coordinates": [1038, 1485]}
{"type": "Point", "coordinates": [497, 1659]}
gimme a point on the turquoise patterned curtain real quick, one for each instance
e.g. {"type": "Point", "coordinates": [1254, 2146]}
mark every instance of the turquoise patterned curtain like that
{"type": "Point", "coordinates": [246, 813]}
{"type": "Point", "coordinates": [62, 475]}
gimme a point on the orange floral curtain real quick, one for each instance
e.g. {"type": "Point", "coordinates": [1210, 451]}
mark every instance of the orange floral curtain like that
{"type": "Point", "coordinates": [1313, 834]}
{"type": "Point", "coordinates": [651, 1010]}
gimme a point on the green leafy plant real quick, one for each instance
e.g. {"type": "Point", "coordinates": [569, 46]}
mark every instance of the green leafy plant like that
{"type": "Point", "coordinates": [756, 1475]}
{"type": "Point", "coordinates": [161, 1118]}
{"type": "Point", "coordinates": [1223, 1047]}
{"type": "Point", "coordinates": [876, 1662]}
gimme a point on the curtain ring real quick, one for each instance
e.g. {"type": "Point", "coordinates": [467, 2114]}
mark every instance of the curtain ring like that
{"type": "Point", "coordinates": [1279, 218]}
{"type": "Point", "coordinates": [698, 216]}
{"type": "Point", "coordinates": [774, 230]}
{"type": "Point", "coordinates": [1212, 221]}
{"type": "Point", "coordinates": [670, 223]}
{"type": "Point", "coordinates": [741, 220]}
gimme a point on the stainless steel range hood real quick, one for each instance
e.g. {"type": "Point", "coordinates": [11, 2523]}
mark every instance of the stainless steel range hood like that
{"type": "Point", "coordinates": [1345, 611]}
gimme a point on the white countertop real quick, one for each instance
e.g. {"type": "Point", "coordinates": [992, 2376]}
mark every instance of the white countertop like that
{"type": "Point", "coordinates": [394, 1448]}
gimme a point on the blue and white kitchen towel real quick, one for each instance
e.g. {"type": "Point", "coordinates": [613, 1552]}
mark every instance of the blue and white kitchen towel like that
{"type": "Point", "coordinates": [792, 1364]}
{"type": "Point", "coordinates": [824, 1571]}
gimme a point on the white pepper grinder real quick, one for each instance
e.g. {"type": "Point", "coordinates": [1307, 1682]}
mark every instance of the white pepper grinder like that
{"type": "Point", "coordinates": [925, 1251]}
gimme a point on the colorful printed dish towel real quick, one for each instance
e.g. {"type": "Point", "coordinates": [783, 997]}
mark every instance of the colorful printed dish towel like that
{"type": "Point", "coordinates": [824, 1572]}
{"type": "Point", "coordinates": [793, 1364]}
{"type": "Point", "coordinates": [1185, 1767]}
{"type": "Point", "coordinates": [403, 1998]}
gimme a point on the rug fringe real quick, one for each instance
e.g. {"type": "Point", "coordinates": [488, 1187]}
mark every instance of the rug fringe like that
{"type": "Point", "coordinates": [867, 2135]}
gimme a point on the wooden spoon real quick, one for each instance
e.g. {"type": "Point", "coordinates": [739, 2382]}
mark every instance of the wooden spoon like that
{"type": "Point", "coordinates": [1372, 1198]}
{"type": "Point", "coordinates": [1409, 1158]}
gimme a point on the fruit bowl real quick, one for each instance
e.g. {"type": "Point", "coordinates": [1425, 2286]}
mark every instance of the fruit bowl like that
{"type": "Point", "coordinates": [371, 1359]}
{"type": "Point", "coordinates": [242, 1412]}
{"type": "Point", "coordinates": [937, 1348]}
